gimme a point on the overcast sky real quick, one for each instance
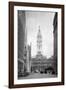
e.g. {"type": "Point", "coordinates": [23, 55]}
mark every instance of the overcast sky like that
{"type": "Point", "coordinates": [45, 21]}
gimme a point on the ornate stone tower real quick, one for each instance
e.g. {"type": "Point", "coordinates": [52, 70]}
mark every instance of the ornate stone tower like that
{"type": "Point", "coordinates": [39, 43]}
{"type": "Point", "coordinates": [27, 53]}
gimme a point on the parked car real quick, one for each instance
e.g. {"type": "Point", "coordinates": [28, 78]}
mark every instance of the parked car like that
{"type": "Point", "coordinates": [36, 71]}
{"type": "Point", "coordinates": [49, 70]}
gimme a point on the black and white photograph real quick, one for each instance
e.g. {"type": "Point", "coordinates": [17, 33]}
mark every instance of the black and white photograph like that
{"type": "Point", "coordinates": [37, 44]}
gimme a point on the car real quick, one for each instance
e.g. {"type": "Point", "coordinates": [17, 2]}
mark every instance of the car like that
{"type": "Point", "coordinates": [36, 71]}
{"type": "Point", "coordinates": [49, 70]}
{"type": "Point", "coordinates": [41, 72]}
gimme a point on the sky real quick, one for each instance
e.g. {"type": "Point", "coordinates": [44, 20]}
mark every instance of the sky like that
{"type": "Point", "coordinates": [34, 19]}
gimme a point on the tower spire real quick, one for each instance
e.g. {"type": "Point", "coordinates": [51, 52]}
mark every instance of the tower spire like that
{"type": "Point", "coordinates": [39, 41]}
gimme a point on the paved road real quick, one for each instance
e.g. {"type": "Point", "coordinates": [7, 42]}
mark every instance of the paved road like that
{"type": "Point", "coordinates": [38, 75]}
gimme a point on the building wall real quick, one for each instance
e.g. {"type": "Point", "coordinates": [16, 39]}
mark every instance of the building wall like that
{"type": "Point", "coordinates": [21, 33]}
{"type": "Point", "coordinates": [28, 61]}
{"type": "Point", "coordinates": [55, 40]}
{"type": "Point", "coordinates": [21, 41]}
{"type": "Point", "coordinates": [38, 64]}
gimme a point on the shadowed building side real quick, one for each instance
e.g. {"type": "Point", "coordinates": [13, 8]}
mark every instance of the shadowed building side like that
{"type": "Point", "coordinates": [24, 50]}
{"type": "Point", "coordinates": [21, 40]}
{"type": "Point", "coordinates": [21, 33]}
{"type": "Point", "coordinates": [55, 41]}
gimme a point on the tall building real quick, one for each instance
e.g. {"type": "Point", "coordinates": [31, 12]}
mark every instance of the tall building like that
{"type": "Point", "coordinates": [23, 57]}
{"type": "Point", "coordinates": [38, 63]}
{"type": "Point", "coordinates": [28, 60]}
{"type": "Point", "coordinates": [21, 39]}
{"type": "Point", "coordinates": [55, 41]}
{"type": "Point", "coordinates": [21, 33]}
{"type": "Point", "coordinates": [39, 42]}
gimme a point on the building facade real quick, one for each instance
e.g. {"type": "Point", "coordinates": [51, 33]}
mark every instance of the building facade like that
{"type": "Point", "coordinates": [37, 64]}
{"type": "Point", "coordinates": [55, 41]}
{"type": "Point", "coordinates": [40, 63]}
{"type": "Point", "coordinates": [23, 48]}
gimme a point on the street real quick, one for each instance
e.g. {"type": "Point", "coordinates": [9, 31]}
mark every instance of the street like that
{"type": "Point", "coordinates": [38, 75]}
